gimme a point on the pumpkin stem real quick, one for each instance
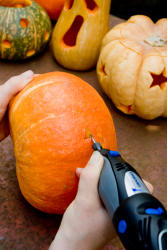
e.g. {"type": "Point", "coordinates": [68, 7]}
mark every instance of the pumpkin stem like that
{"type": "Point", "coordinates": [155, 41]}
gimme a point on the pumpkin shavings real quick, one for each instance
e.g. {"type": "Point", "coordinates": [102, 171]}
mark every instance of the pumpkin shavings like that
{"type": "Point", "coordinates": [153, 128]}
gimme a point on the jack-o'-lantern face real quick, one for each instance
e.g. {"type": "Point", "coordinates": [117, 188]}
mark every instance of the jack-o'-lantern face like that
{"type": "Point", "coordinates": [132, 67]}
{"type": "Point", "coordinates": [79, 31]}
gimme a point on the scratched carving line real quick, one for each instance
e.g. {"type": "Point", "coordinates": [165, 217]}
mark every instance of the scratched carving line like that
{"type": "Point", "coordinates": [50, 116]}
{"type": "Point", "coordinates": [26, 93]}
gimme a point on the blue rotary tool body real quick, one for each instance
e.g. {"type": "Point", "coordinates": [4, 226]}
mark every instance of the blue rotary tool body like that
{"type": "Point", "coordinates": [139, 218]}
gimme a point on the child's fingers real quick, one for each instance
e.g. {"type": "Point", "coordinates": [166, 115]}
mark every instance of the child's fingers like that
{"type": "Point", "coordinates": [93, 170]}
{"type": "Point", "coordinates": [17, 83]}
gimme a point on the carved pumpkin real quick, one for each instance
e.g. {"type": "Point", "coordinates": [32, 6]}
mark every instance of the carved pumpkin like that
{"type": "Point", "coordinates": [132, 67]}
{"type": "Point", "coordinates": [52, 7]}
{"type": "Point", "coordinates": [79, 31]}
{"type": "Point", "coordinates": [25, 29]}
{"type": "Point", "coordinates": [51, 121]}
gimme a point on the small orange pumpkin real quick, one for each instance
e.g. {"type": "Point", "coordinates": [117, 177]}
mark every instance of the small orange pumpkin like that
{"type": "Point", "coordinates": [52, 7]}
{"type": "Point", "coordinates": [51, 121]}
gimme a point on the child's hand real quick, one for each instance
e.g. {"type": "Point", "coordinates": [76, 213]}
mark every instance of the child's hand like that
{"type": "Point", "coordinates": [7, 91]}
{"type": "Point", "coordinates": [86, 225]}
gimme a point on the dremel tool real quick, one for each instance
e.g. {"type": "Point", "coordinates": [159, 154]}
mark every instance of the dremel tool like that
{"type": "Point", "coordinates": [139, 218]}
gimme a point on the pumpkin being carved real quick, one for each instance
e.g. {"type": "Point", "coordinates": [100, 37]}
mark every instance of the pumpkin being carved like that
{"type": "Point", "coordinates": [132, 67]}
{"type": "Point", "coordinates": [25, 29]}
{"type": "Point", "coordinates": [79, 31]}
{"type": "Point", "coordinates": [51, 121]}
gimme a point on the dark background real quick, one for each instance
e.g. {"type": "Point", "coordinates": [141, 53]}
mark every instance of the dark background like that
{"type": "Point", "coordinates": [155, 9]}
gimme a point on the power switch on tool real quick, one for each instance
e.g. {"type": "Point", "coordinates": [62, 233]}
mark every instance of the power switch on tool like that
{"type": "Point", "coordinates": [122, 226]}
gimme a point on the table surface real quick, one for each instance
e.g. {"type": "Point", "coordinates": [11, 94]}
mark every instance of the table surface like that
{"type": "Point", "coordinates": [142, 143]}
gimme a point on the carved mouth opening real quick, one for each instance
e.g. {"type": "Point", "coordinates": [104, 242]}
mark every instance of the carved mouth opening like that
{"type": "Point", "coordinates": [15, 3]}
{"type": "Point", "coordinates": [158, 80]}
{"type": "Point", "coordinates": [24, 23]}
{"type": "Point", "coordinates": [46, 36]}
{"type": "Point", "coordinates": [70, 36]}
{"type": "Point", "coordinates": [31, 52]}
{"type": "Point", "coordinates": [69, 4]}
{"type": "Point", "coordinates": [127, 109]}
{"type": "Point", "coordinates": [6, 44]}
{"type": "Point", "coordinates": [91, 5]}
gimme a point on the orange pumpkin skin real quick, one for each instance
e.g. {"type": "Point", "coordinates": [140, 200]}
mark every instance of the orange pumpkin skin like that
{"type": "Point", "coordinates": [50, 123]}
{"type": "Point", "coordinates": [52, 7]}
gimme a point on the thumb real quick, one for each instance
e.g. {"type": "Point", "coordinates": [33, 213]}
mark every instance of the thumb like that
{"type": "Point", "coordinates": [89, 176]}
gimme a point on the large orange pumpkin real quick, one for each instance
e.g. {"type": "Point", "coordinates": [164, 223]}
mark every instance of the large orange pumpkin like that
{"type": "Point", "coordinates": [51, 121]}
{"type": "Point", "coordinates": [52, 7]}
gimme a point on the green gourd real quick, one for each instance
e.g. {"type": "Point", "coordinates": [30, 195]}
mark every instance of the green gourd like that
{"type": "Point", "coordinates": [25, 29]}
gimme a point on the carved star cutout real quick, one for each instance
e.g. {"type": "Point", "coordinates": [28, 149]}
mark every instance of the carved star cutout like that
{"type": "Point", "coordinates": [158, 80]}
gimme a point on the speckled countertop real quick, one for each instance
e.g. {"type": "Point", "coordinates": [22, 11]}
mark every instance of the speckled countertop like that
{"type": "Point", "coordinates": [142, 143]}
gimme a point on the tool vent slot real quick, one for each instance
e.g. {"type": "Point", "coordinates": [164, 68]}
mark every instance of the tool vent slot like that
{"type": "Point", "coordinates": [144, 231]}
{"type": "Point", "coordinates": [120, 166]}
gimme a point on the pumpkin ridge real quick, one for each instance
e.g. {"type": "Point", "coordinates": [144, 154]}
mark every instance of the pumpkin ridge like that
{"type": "Point", "coordinates": [5, 13]}
{"type": "Point", "coordinates": [35, 31]}
{"type": "Point", "coordinates": [129, 48]}
{"type": "Point", "coordinates": [136, 82]}
{"type": "Point", "coordinates": [138, 24]}
{"type": "Point", "coordinates": [50, 116]}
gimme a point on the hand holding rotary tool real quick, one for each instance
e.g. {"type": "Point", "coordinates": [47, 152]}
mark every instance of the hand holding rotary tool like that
{"type": "Point", "coordinates": [139, 218]}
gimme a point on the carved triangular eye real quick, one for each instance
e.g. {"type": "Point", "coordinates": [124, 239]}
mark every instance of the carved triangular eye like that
{"type": "Point", "coordinates": [91, 5]}
{"type": "Point", "coordinates": [158, 80]}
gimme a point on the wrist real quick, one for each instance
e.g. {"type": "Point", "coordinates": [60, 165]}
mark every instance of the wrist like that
{"type": "Point", "coordinates": [71, 241]}
{"type": "Point", "coordinates": [63, 242]}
